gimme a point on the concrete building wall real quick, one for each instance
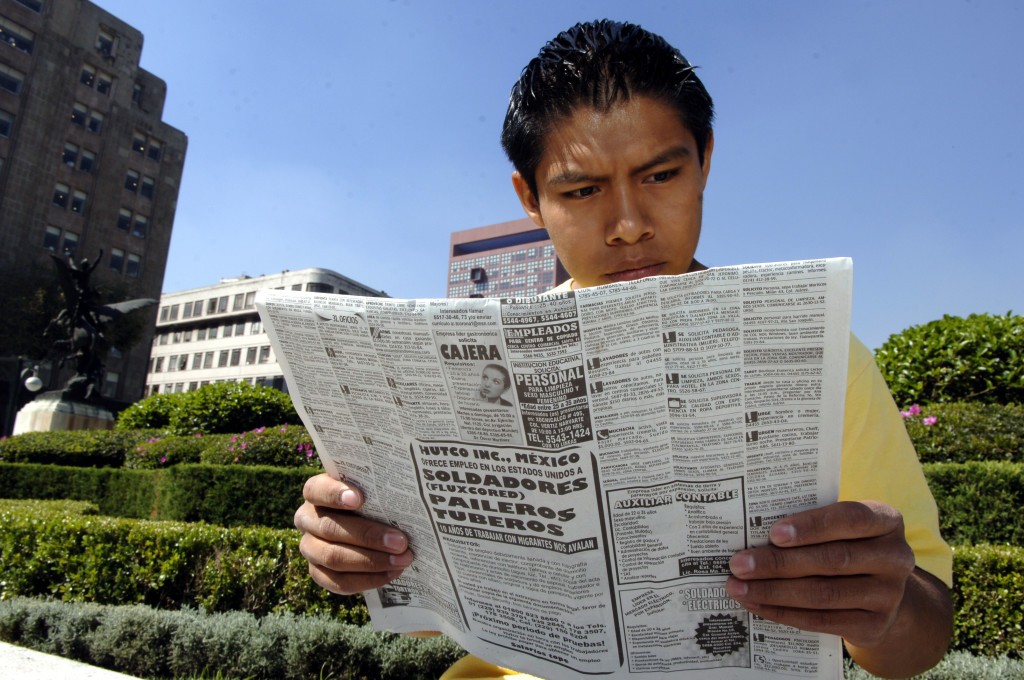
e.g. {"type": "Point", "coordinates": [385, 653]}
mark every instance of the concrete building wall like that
{"type": "Point", "coordinates": [85, 122]}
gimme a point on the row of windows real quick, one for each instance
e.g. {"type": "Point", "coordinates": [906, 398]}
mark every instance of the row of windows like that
{"type": "Point", "coordinates": [144, 185]}
{"type": "Point", "coordinates": [207, 333]}
{"type": "Point", "coordinates": [83, 116]}
{"type": "Point", "coordinates": [277, 382]}
{"type": "Point", "coordinates": [147, 146]}
{"type": "Point", "coordinates": [205, 360]}
{"type": "Point", "coordinates": [520, 255]}
{"type": "Point", "coordinates": [18, 37]}
{"type": "Point", "coordinates": [74, 155]}
{"type": "Point", "coordinates": [546, 264]}
{"type": "Point", "coordinates": [11, 79]}
{"type": "Point", "coordinates": [92, 77]}
{"type": "Point", "coordinates": [134, 222]}
{"type": "Point", "coordinates": [127, 264]}
{"type": "Point", "coordinates": [215, 305]}
{"type": "Point", "coordinates": [52, 241]}
{"type": "Point", "coordinates": [61, 195]}
{"type": "Point", "coordinates": [66, 243]}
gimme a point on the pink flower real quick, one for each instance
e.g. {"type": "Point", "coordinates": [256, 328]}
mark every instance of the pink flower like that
{"type": "Point", "coordinates": [905, 414]}
{"type": "Point", "coordinates": [284, 429]}
{"type": "Point", "coordinates": [231, 448]}
{"type": "Point", "coordinates": [163, 459]}
{"type": "Point", "coordinates": [914, 410]}
{"type": "Point", "coordinates": [236, 459]}
{"type": "Point", "coordinates": [930, 420]}
{"type": "Point", "coordinates": [199, 434]}
{"type": "Point", "coordinates": [259, 429]}
{"type": "Point", "coordinates": [151, 440]}
{"type": "Point", "coordinates": [244, 446]}
{"type": "Point", "coordinates": [309, 454]}
{"type": "Point", "coordinates": [234, 437]}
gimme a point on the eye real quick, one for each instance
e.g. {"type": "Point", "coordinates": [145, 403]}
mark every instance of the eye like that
{"type": "Point", "coordinates": [582, 192]}
{"type": "Point", "coordinates": [663, 176]}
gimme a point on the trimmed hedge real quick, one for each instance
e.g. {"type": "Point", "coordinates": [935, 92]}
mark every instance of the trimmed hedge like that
{"type": "Point", "coordinates": [980, 358]}
{"type": "Point", "coordinates": [152, 643]}
{"type": "Point", "coordinates": [988, 600]}
{"type": "Point", "coordinates": [82, 448]}
{"type": "Point", "coordinates": [45, 551]}
{"type": "Point", "coordinates": [979, 502]}
{"type": "Point", "coordinates": [227, 495]}
{"type": "Point", "coordinates": [956, 666]}
{"type": "Point", "coordinates": [967, 431]}
{"type": "Point", "coordinates": [212, 409]}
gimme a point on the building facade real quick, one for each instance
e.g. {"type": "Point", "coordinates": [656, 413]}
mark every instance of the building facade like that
{"type": "Point", "coordinates": [213, 334]}
{"type": "Point", "coordinates": [88, 168]}
{"type": "Point", "coordinates": [508, 259]}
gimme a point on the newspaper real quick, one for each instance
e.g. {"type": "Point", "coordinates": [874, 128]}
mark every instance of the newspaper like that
{"type": "Point", "coordinates": [575, 470]}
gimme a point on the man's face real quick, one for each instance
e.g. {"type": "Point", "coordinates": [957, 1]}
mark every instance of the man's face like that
{"type": "Point", "coordinates": [620, 192]}
{"type": "Point", "coordinates": [492, 384]}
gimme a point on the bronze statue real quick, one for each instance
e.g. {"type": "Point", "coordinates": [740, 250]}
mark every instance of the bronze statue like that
{"type": "Point", "coordinates": [78, 331]}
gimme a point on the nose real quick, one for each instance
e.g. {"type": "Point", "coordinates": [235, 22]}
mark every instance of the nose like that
{"type": "Point", "coordinates": [628, 222]}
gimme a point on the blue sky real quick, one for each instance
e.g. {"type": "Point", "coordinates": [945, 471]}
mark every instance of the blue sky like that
{"type": "Point", "coordinates": [357, 135]}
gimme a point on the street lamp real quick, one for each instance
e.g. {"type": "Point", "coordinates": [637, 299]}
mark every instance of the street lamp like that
{"type": "Point", "coordinates": [30, 379]}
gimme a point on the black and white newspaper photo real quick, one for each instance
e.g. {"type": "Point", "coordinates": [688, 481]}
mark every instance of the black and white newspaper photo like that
{"type": "Point", "coordinates": [575, 470]}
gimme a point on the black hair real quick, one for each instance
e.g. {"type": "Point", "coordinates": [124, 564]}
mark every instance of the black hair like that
{"type": "Point", "coordinates": [599, 64]}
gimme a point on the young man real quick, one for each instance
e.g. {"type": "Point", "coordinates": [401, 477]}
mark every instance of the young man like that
{"type": "Point", "coordinates": [610, 134]}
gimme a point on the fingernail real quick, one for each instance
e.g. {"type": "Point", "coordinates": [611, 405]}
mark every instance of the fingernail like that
{"type": "Point", "coordinates": [736, 587]}
{"type": "Point", "coordinates": [782, 533]}
{"type": "Point", "coordinates": [403, 560]}
{"type": "Point", "coordinates": [741, 564]}
{"type": "Point", "coordinates": [394, 541]}
{"type": "Point", "coordinates": [350, 499]}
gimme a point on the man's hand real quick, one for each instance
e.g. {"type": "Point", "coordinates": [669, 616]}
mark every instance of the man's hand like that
{"type": "Point", "coordinates": [346, 553]}
{"type": "Point", "coordinates": [846, 569]}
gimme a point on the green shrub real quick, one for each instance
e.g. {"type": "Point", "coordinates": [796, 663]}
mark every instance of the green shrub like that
{"type": "Point", "coordinates": [145, 642]}
{"type": "Point", "coordinates": [217, 408]}
{"type": "Point", "coordinates": [980, 358]}
{"type": "Point", "coordinates": [81, 448]}
{"type": "Point", "coordinates": [968, 431]}
{"type": "Point", "coordinates": [158, 452]}
{"type": "Point", "coordinates": [988, 598]}
{"type": "Point", "coordinates": [163, 564]}
{"type": "Point", "coordinates": [284, 446]}
{"type": "Point", "coordinates": [978, 502]}
{"type": "Point", "coordinates": [229, 496]}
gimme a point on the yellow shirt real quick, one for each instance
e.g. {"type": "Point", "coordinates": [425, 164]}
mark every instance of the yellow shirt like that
{"type": "Point", "coordinates": [879, 463]}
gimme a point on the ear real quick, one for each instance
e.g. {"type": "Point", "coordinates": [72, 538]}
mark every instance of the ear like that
{"type": "Point", "coordinates": [706, 168]}
{"type": "Point", "coordinates": [528, 199]}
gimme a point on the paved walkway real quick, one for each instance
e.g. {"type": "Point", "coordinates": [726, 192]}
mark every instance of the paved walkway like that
{"type": "Point", "coordinates": [19, 663]}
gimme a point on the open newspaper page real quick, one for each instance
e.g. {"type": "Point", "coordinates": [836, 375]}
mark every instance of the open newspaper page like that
{"type": "Point", "coordinates": [575, 470]}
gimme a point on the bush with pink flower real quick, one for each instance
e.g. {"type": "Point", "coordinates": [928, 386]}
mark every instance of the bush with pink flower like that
{"type": "Point", "coordinates": [282, 446]}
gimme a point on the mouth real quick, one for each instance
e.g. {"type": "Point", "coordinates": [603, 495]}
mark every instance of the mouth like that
{"type": "Point", "coordinates": [634, 273]}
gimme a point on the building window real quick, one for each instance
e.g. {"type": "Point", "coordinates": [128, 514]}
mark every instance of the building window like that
{"type": "Point", "coordinates": [183, 362]}
{"type": "Point", "coordinates": [186, 310]}
{"type": "Point", "coordinates": [186, 335]}
{"type": "Point", "coordinates": [222, 305]}
{"type": "Point", "coordinates": [315, 287]}
{"type": "Point", "coordinates": [197, 361]}
{"type": "Point", "coordinates": [148, 184]}
{"type": "Point", "coordinates": [110, 384]}
{"type": "Point", "coordinates": [52, 238]}
{"type": "Point", "coordinates": [137, 94]}
{"type": "Point", "coordinates": [154, 150]}
{"type": "Point", "coordinates": [250, 356]}
{"type": "Point", "coordinates": [254, 329]}
{"type": "Point", "coordinates": [201, 333]}
{"type": "Point", "coordinates": [34, 5]}
{"type": "Point", "coordinates": [60, 195]}
{"type": "Point", "coordinates": [132, 265]}
{"type": "Point", "coordinates": [95, 122]}
{"type": "Point", "coordinates": [264, 354]}
{"type": "Point", "coordinates": [208, 360]}
{"type": "Point", "coordinates": [222, 360]}
{"type": "Point", "coordinates": [227, 331]}
{"type": "Point", "coordinates": [250, 299]}
{"type": "Point", "coordinates": [70, 155]}
{"type": "Point", "coordinates": [296, 286]}
{"type": "Point", "coordinates": [18, 37]}
{"type": "Point", "coordinates": [159, 368]}
{"type": "Point", "coordinates": [87, 162]}
{"type": "Point", "coordinates": [240, 328]}
{"type": "Point", "coordinates": [116, 259]}
{"type": "Point", "coordinates": [139, 143]}
{"type": "Point", "coordinates": [174, 312]}
{"type": "Point", "coordinates": [197, 308]}
{"type": "Point", "coordinates": [124, 220]}
{"type": "Point", "coordinates": [78, 202]}
{"type": "Point", "coordinates": [139, 226]}
{"type": "Point", "coordinates": [236, 356]}
{"type": "Point", "coordinates": [163, 338]}
{"type": "Point", "coordinates": [6, 123]}
{"type": "Point", "coordinates": [79, 112]}
{"type": "Point", "coordinates": [11, 79]}
{"type": "Point", "coordinates": [212, 333]}
{"type": "Point", "coordinates": [88, 76]}
{"type": "Point", "coordinates": [211, 306]}
{"type": "Point", "coordinates": [131, 181]}
{"type": "Point", "coordinates": [103, 83]}
{"type": "Point", "coordinates": [238, 301]}
{"type": "Point", "coordinates": [105, 42]}
{"type": "Point", "coordinates": [163, 313]}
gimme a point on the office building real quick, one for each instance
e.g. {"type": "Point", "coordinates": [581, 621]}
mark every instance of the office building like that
{"type": "Point", "coordinates": [213, 334]}
{"type": "Point", "coordinates": [87, 166]}
{"type": "Point", "coordinates": [508, 259]}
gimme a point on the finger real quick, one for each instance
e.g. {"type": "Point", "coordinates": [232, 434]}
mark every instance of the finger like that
{"type": "Point", "coordinates": [864, 593]}
{"type": "Point", "coordinates": [836, 522]}
{"type": "Point", "coordinates": [345, 559]}
{"type": "Point", "coordinates": [860, 627]}
{"type": "Point", "coordinates": [332, 526]}
{"type": "Point", "coordinates": [885, 556]}
{"type": "Point", "coordinates": [324, 491]}
{"type": "Point", "coordinates": [350, 583]}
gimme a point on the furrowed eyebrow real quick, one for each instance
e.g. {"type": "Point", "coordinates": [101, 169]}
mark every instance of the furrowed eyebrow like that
{"type": "Point", "coordinates": [578, 177]}
{"type": "Point", "coordinates": [673, 154]}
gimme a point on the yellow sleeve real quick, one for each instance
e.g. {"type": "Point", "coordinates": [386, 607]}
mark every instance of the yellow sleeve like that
{"type": "Point", "coordinates": [470, 667]}
{"type": "Point", "coordinates": [879, 462]}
